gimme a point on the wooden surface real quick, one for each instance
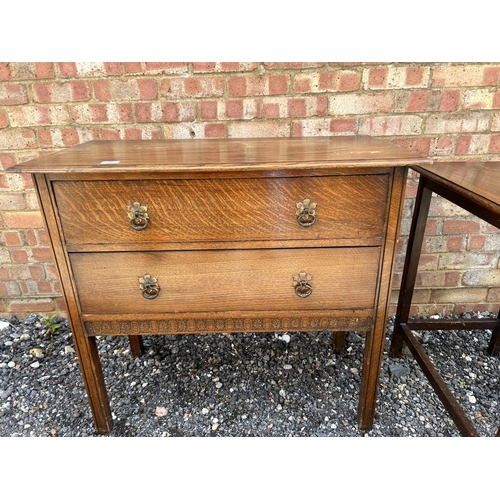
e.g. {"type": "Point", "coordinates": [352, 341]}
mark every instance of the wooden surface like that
{"type": "Point", "coordinates": [213, 154]}
{"type": "Point", "coordinates": [224, 241]}
{"type": "Point", "coordinates": [94, 212]}
{"type": "Point", "coordinates": [478, 179]}
{"type": "Point", "coordinates": [233, 282]}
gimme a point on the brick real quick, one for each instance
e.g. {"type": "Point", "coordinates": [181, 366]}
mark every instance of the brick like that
{"type": "Point", "coordinates": [126, 89]}
{"type": "Point", "coordinates": [482, 277]}
{"type": "Point", "coordinates": [450, 123]}
{"type": "Point", "coordinates": [291, 65]}
{"type": "Point", "coordinates": [493, 296]}
{"type": "Point", "coordinates": [258, 129]}
{"type": "Point", "coordinates": [156, 68]}
{"type": "Point", "coordinates": [435, 244]}
{"type": "Point", "coordinates": [430, 279]}
{"type": "Point", "coordinates": [391, 125]}
{"type": "Point", "coordinates": [250, 85]}
{"type": "Point", "coordinates": [297, 107]}
{"type": "Point", "coordinates": [41, 254]}
{"type": "Point", "coordinates": [23, 70]}
{"type": "Point", "coordinates": [321, 127]}
{"type": "Point", "coordinates": [360, 104]}
{"type": "Point", "coordinates": [220, 67]}
{"type": "Point", "coordinates": [67, 69]}
{"type": "Point", "coordinates": [102, 113]}
{"type": "Point", "coordinates": [44, 70]}
{"type": "Point", "coordinates": [420, 145]}
{"type": "Point", "coordinates": [491, 76]}
{"type": "Point", "coordinates": [4, 255]}
{"type": "Point", "coordinates": [22, 220]}
{"type": "Point", "coordinates": [19, 256]}
{"type": "Point", "coordinates": [5, 71]}
{"type": "Point", "coordinates": [7, 160]}
{"type": "Point", "coordinates": [245, 109]}
{"type": "Point", "coordinates": [12, 201]}
{"type": "Point", "coordinates": [327, 81]}
{"type": "Point", "coordinates": [12, 238]}
{"type": "Point", "coordinates": [48, 92]}
{"type": "Point", "coordinates": [467, 260]}
{"type": "Point", "coordinates": [463, 144]}
{"type": "Point", "coordinates": [4, 121]}
{"type": "Point", "coordinates": [442, 145]}
{"type": "Point", "coordinates": [215, 131]}
{"type": "Point", "coordinates": [65, 137]}
{"type": "Point", "coordinates": [478, 99]}
{"type": "Point", "coordinates": [452, 278]}
{"type": "Point", "coordinates": [460, 226]}
{"type": "Point", "coordinates": [450, 100]}
{"type": "Point", "coordinates": [208, 110]}
{"type": "Point", "coordinates": [27, 116]}
{"type": "Point", "coordinates": [17, 139]}
{"type": "Point", "coordinates": [166, 111]}
{"type": "Point", "coordinates": [180, 88]}
{"type": "Point", "coordinates": [234, 109]}
{"type": "Point", "coordinates": [89, 69]}
{"type": "Point", "coordinates": [476, 242]}
{"type": "Point", "coordinates": [417, 76]}
{"type": "Point", "coordinates": [453, 295]}
{"type": "Point", "coordinates": [455, 243]}
{"type": "Point", "coordinates": [340, 126]}
{"type": "Point", "coordinates": [494, 144]}
{"type": "Point", "coordinates": [396, 77]}
{"type": "Point", "coordinates": [492, 242]}
{"type": "Point", "coordinates": [412, 102]}
{"type": "Point", "coordinates": [12, 93]}
{"type": "Point", "coordinates": [468, 75]}
{"type": "Point", "coordinates": [31, 306]}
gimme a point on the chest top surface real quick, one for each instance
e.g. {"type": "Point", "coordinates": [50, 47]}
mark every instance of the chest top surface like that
{"type": "Point", "coordinates": [231, 154]}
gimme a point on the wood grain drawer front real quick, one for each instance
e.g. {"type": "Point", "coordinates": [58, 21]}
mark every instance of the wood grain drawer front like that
{"type": "Point", "coordinates": [225, 281]}
{"type": "Point", "coordinates": [95, 212]}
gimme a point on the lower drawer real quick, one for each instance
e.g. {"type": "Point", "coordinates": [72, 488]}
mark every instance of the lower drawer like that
{"type": "Point", "coordinates": [226, 280]}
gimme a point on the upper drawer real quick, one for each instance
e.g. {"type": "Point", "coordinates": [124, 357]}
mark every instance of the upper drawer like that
{"type": "Point", "coordinates": [350, 206]}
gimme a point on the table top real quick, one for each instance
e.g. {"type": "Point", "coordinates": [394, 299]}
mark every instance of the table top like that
{"type": "Point", "coordinates": [237, 154]}
{"type": "Point", "coordinates": [477, 181]}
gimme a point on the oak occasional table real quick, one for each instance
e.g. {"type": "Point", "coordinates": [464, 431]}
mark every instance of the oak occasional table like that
{"type": "Point", "coordinates": [475, 187]}
{"type": "Point", "coordinates": [234, 235]}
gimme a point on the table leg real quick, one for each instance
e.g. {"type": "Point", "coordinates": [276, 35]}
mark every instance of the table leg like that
{"type": "Point", "coordinates": [90, 366]}
{"type": "Point", "coordinates": [415, 239]}
{"type": "Point", "coordinates": [338, 341]}
{"type": "Point", "coordinates": [136, 345]}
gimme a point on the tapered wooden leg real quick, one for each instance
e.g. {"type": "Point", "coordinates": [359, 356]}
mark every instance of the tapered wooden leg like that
{"type": "Point", "coordinates": [93, 378]}
{"type": "Point", "coordinates": [375, 339]}
{"type": "Point", "coordinates": [338, 341]}
{"type": "Point", "coordinates": [415, 239]}
{"type": "Point", "coordinates": [136, 345]}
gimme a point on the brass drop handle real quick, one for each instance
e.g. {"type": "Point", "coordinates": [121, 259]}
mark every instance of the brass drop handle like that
{"type": "Point", "coordinates": [306, 212]}
{"type": "Point", "coordinates": [149, 286]}
{"type": "Point", "coordinates": [302, 284]}
{"type": "Point", "coordinates": [138, 216]}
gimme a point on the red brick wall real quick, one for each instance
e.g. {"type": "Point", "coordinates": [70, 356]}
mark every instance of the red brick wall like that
{"type": "Point", "coordinates": [445, 110]}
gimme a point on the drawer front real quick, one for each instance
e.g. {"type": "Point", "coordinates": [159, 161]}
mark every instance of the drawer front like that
{"type": "Point", "coordinates": [225, 281]}
{"type": "Point", "coordinates": [95, 212]}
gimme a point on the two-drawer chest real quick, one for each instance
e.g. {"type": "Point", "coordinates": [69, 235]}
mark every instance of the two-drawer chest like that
{"type": "Point", "coordinates": [215, 236]}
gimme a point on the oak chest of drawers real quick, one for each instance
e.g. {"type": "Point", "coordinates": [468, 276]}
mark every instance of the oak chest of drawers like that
{"type": "Point", "coordinates": [214, 236]}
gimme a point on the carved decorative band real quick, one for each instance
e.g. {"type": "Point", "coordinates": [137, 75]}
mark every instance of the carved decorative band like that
{"type": "Point", "coordinates": [227, 325]}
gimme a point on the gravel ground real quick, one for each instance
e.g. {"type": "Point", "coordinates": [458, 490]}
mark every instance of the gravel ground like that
{"type": "Point", "coordinates": [238, 385]}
